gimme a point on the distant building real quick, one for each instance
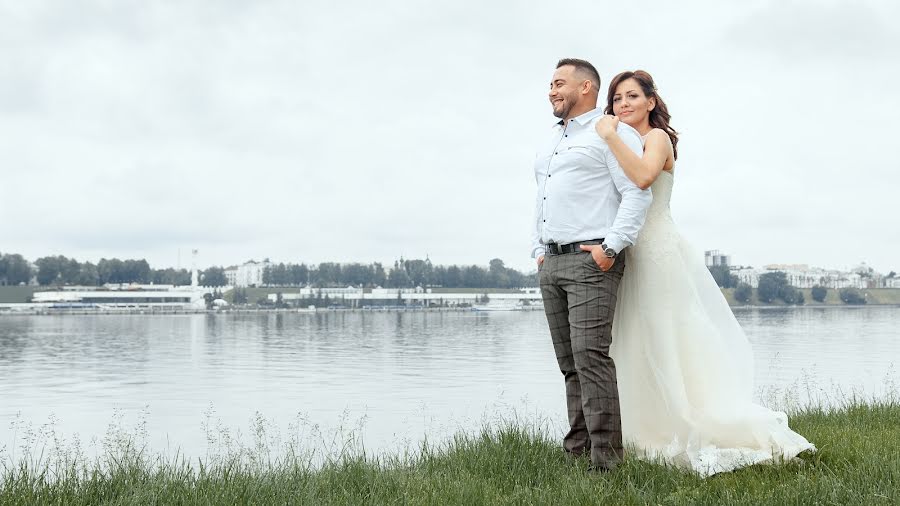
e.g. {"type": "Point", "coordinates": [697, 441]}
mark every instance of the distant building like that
{"type": "Point", "coordinates": [715, 258]}
{"type": "Point", "coordinates": [788, 267]}
{"type": "Point", "coordinates": [355, 297]}
{"type": "Point", "coordinates": [747, 275]}
{"type": "Point", "coordinates": [331, 292]}
{"type": "Point", "coordinates": [248, 274]}
{"type": "Point", "coordinates": [803, 276]}
{"type": "Point", "coordinates": [111, 296]}
{"type": "Point", "coordinates": [231, 275]}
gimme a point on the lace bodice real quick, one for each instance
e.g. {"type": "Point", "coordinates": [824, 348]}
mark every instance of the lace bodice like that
{"type": "Point", "coordinates": [659, 233]}
{"type": "Point", "coordinates": [662, 193]}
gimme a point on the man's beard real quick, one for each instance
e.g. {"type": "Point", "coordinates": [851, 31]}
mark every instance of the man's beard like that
{"type": "Point", "coordinates": [564, 112]}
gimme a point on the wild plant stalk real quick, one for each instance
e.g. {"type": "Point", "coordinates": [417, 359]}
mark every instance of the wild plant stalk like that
{"type": "Point", "coordinates": [507, 462]}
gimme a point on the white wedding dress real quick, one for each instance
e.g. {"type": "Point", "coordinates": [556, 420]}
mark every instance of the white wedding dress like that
{"type": "Point", "coordinates": [684, 366]}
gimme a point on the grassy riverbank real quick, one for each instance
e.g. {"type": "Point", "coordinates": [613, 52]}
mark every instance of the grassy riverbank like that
{"type": "Point", "coordinates": [874, 297]}
{"type": "Point", "coordinates": [858, 462]}
{"type": "Point", "coordinates": [16, 294]}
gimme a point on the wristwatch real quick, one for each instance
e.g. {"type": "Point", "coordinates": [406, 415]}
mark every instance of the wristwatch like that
{"type": "Point", "coordinates": [610, 253]}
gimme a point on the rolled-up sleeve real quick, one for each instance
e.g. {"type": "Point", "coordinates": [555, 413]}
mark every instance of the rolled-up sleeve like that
{"type": "Point", "coordinates": [633, 207]}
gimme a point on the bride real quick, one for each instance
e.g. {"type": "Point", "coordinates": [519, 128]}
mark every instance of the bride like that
{"type": "Point", "coordinates": [685, 367]}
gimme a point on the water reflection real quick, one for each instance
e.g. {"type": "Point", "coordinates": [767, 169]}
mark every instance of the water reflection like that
{"type": "Point", "coordinates": [410, 374]}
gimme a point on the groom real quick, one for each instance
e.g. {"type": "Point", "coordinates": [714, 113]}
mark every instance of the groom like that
{"type": "Point", "coordinates": [587, 211]}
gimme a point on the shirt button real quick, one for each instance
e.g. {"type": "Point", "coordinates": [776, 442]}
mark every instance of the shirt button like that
{"type": "Point", "coordinates": [556, 153]}
{"type": "Point", "coordinates": [545, 221]}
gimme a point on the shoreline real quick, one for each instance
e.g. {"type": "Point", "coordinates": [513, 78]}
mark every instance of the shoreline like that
{"type": "Point", "coordinates": [810, 306]}
{"type": "Point", "coordinates": [13, 302]}
{"type": "Point", "coordinates": [168, 311]}
{"type": "Point", "coordinates": [43, 311]}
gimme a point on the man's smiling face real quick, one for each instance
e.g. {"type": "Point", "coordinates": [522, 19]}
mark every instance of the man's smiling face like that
{"type": "Point", "coordinates": [564, 90]}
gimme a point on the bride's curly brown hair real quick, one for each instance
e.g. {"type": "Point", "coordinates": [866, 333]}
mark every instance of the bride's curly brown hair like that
{"type": "Point", "coordinates": [659, 116]}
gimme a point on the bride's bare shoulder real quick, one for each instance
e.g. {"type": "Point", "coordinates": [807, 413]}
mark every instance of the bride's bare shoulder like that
{"type": "Point", "coordinates": [659, 135]}
{"type": "Point", "coordinates": [658, 142]}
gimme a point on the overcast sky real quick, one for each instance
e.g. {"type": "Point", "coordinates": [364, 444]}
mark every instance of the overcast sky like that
{"type": "Point", "coordinates": [363, 131]}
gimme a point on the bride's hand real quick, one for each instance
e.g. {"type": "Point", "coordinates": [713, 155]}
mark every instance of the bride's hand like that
{"type": "Point", "coordinates": [606, 126]}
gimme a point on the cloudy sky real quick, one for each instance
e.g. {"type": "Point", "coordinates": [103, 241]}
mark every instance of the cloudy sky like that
{"type": "Point", "coordinates": [362, 131]}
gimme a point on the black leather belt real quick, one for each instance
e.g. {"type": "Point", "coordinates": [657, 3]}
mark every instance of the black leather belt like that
{"type": "Point", "coordinates": [573, 247]}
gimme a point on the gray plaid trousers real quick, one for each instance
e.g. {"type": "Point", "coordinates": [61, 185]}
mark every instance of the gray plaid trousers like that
{"type": "Point", "coordinates": [580, 301]}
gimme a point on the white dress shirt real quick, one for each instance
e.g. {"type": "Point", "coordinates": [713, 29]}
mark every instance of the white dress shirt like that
{"type": "Point", "coordinates": [582, 192]}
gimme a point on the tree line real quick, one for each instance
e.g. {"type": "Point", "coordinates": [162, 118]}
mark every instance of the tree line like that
{"type": "Point", "coordinates": [775, 286]}
{"type": "Point", "coordinates": [59, 270]}
{"type": "Point", "coordinates": [14, 269]}
{"type": "Point", "coordinates": [405, 273]}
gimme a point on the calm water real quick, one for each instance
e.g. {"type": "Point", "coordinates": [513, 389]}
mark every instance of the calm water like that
{"type": "Point", "coordinates": [393, 377]}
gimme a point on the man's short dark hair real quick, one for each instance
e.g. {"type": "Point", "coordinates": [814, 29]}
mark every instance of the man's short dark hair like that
{"type": "Point", "coordinates": [585, 68]}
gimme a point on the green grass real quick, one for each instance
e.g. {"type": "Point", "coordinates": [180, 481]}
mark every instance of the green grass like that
{"type": "Point", "coordinates": [858, 462]}
{"type": "Point", "coordinates": [16, 294]}
{"type": "Point", "coordinates": [876, 296]}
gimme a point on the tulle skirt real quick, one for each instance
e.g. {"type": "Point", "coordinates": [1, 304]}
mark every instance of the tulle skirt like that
{"type": "Point", "coordinates": [685, 367]}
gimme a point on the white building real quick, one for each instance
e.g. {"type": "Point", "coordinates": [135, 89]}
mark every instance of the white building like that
{"type": "Point", "coordinates": [231, 275]}
{"type": "Point", "coordinates": [248, 274]}
{"type": "Point", "coordinates": [747, 275]}
{"type": "Point", "coordinates": [715, 257]}
{"type": "Point", "coordinates": [330, 292]}
{"type": "Point", "coordinates": [392, 292]}
{"type": "Point", "coordinates": [418, 296]}
{"type": "Point", "coordinates": [803, 276]}
{"type": "Point", "coordinates": [123, 296]}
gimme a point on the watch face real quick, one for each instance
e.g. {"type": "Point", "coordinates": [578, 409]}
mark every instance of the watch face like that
{"type": "Point", "coordinates": [610, 253]}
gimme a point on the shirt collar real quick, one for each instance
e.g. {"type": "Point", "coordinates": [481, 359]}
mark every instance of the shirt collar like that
{"type": "Point", "coordinates": [585, 118]}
